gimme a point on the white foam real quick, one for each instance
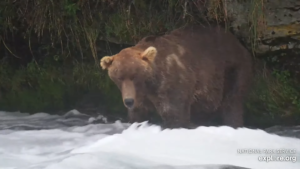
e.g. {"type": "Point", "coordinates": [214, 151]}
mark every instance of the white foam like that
{"type": "Point", "coordinates": [114, 146]}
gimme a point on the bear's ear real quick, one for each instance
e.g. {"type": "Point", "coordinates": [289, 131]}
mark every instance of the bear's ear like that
{"type": "Point", "coordinates": [149, 54]}
{"type": "Point", "coordinates": [106, 61]}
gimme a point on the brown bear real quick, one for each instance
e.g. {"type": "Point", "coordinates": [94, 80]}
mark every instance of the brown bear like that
{"type": "Point", "coordinates": [204, 70]}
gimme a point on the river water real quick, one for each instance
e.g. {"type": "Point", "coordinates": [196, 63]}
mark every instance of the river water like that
{"type": "Point", "coordinates": [72, 141]}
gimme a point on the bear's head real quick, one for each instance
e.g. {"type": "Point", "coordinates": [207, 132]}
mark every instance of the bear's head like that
{"type": "Point", "coordinates": [130, 69]}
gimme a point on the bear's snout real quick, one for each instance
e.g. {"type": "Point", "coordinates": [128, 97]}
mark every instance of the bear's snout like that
{"type": "Point", "coordinates": [129, 102]}
{"type": "Point", "coordinates": [128, 93]}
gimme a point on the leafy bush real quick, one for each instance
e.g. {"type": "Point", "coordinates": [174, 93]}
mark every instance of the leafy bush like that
{"type": "Point", "coordinates": [44, 87]}
{"type": "Point", "coordinates": [274, 98]}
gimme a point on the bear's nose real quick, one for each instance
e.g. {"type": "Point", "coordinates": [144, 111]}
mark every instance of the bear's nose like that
{"type": "Point", "coordinates": [129, 102]}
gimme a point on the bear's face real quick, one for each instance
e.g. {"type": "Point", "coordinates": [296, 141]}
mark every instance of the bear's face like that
{"type": "Point", "coordinates": [129, 70]}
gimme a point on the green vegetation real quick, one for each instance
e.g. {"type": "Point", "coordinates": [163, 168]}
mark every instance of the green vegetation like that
{"type": "Point", "coordinates": [50, 88]}
{"type": "Point", "coordinates": [274, 98]}
{"type": "Point", "coordinates": [50, 51]}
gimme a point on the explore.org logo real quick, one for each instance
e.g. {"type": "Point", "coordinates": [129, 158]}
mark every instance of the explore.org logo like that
{"type": "Point", "coordinates": [277, 158]}
{"type": "Point", "coordinates": [269, 155]}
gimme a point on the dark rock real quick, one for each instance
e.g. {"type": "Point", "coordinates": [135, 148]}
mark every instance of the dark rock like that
{"type": "Point", "coordinates": [275, 20]}
{"type": "Point", "coordinates": [287, 131]}
{"type": "Point", "coordinates": [91, 104]}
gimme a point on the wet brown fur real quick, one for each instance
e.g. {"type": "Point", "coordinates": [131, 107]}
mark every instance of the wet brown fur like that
{"type": "Point", "coordinates": [196, 69]}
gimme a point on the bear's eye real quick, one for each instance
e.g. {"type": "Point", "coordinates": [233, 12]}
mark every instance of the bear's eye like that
{"type": "Point", "coordinates": [132, 77]}
{"type": "Point", "coordinates": [120, 78]}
